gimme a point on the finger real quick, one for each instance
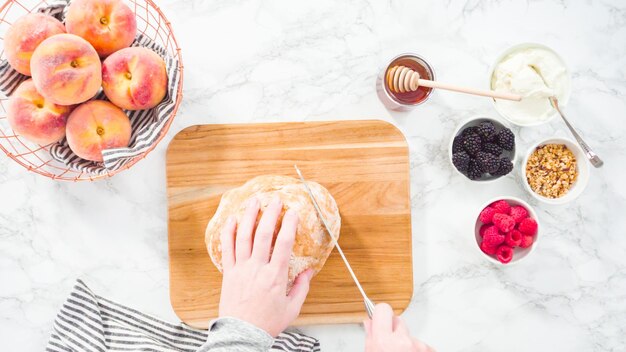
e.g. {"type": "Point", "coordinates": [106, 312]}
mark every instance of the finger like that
{"type": "Point", "coordinates": [284, 242]}
{"type": "Point", "coordinates": [299, 291]}
{"type": "Point", "coordinates": [369, 344]}
{"type": "Point", "coordinates": [399, 326]}
{"type": "Point", "coordinates": [227, 240]}
{"type": "Point", "coordinates": [420, 346]}
{"type": "Point", "coordinates": [265, 231]}
{"type": "Point", "coordinates": [367, 326]}
{"type": "Point", "coordinates": [243, 244]}
{"type": "Point", "coordinates": [382, 319]}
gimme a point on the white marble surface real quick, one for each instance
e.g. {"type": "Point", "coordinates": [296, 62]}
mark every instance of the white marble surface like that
{"type": "Point", "coordinates": [317, 60]}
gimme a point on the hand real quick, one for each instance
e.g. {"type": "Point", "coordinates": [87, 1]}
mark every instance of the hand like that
{"type": "Point", "coordinates": [254, 286]}
{"type": "Point", "coordinates": [388, 333]}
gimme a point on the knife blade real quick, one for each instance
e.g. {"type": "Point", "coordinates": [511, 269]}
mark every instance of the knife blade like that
{"type": "Point", "coordinates": [369, 305]}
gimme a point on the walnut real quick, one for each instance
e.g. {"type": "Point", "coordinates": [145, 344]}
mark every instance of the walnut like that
{"type": "Point", "coordinates": [551, 170]}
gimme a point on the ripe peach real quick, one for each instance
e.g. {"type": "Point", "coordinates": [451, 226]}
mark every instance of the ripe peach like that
{"type": "Point", "coordinates": [25, 35]}
{"type": "Point", "coordinates": [66, 69]}
{"type": "Point", "coordinates": [95, 126]}
{"type": "Point", "coordinates": [134, 78]}
{"type": "Point", "coordinates": [109, 25]}
{"type": "Point", "coordinates": [33, 117]}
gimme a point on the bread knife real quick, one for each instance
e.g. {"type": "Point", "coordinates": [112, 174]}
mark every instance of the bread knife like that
{"type": "Point", "coordinates": [369, 305]}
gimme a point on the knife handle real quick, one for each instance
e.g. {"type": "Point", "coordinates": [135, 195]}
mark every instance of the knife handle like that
{"type": "Point", "coordinates": [369, 307]}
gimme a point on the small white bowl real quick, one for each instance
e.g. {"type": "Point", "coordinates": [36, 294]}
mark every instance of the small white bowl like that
{"type": "Point", "coordinates": [475, 121]}
{"type": "Point", "coordinates": [522, 46]}
{"type": "Point", "coordinates": [518, 253]}
{"type": "Point", "coordinates": [581, 164]}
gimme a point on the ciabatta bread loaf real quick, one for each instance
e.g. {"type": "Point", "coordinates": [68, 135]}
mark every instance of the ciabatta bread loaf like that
{"type": "Point", "coordinates": [312, 245]}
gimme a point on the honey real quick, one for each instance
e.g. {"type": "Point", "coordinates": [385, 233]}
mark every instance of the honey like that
{"type": "Point", "coordinates": [406, 100]}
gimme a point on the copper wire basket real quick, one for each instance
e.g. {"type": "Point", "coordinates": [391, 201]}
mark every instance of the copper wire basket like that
{"type": "Point", "coordinates": [36, 158]}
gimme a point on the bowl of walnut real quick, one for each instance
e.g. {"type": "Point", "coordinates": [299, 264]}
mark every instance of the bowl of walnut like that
{"type": "Point", "coordinates": [555, 171]}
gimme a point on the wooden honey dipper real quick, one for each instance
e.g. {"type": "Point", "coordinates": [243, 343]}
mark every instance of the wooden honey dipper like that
{"type": "Point", "coordinates": [401, 79]}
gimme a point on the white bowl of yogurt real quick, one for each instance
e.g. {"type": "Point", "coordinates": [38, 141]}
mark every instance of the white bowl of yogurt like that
{"type": "Point", "coordinates": [535, 72]}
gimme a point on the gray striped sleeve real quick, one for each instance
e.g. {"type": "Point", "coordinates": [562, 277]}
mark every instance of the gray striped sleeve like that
{"type": "Point", "coordinates": [230, 334]}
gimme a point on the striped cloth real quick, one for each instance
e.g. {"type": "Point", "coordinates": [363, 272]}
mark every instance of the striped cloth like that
{"type": "Point", "coordinates": [147, 125]}
{"type": "Point", "coordinates": [88, 322]}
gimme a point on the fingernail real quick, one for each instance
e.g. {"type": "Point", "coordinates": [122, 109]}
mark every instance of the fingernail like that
{"type": "Point", "coordinates": [230, 220]}
{"type": "Point", "coordinates": [253, 202]}
{"type": "Point", "coordinates": [291, 212]}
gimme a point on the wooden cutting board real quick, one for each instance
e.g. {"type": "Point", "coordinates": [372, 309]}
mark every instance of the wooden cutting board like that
{"type": "Point", "coordinates": [364, 165]}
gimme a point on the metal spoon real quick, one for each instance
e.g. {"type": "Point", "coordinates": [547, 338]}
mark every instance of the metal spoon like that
{"type": "Point", "coordinates": [593, 157]}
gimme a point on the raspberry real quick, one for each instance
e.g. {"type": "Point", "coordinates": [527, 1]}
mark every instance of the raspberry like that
{"type": "Point", "coordinates": [482, 230]}
{"type": "Point", "coordinates": [501, 207]}
{"type": "Point", "coordinates": [486, 216]}
{"type": "Point", "coordinates": [528, 226]}
{"type": "Point", "coordinates": [519, 213]}
{"type": "Point", "coordinates": [513, 238]}
{"type": "Point", "coordinates": [492, 237]}
{"type": "Point", "coordinates": [488, 249]}
{"type": "Point", "coordinates": [504, 222]}
{"type": "Point", "coordinates": [527, 240]}
{"type": "Point", "coordinates": [504, 254]}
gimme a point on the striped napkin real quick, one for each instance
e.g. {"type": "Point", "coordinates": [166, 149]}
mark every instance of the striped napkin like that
{"type": "Point", "coordinates": [147, 125]}
{"type": "Point", "coordinates": [88, 322]}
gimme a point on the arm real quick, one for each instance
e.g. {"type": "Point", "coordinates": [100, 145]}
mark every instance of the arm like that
{"type": "Point", "coordinates": [231, 334]}
{"type": "Point", "coordinates": [254, 305]}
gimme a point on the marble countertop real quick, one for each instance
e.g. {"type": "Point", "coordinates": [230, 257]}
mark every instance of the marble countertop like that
{"type": "Point", "coordinates": [318, 60]}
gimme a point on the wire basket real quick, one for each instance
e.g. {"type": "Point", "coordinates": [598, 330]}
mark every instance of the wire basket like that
{"type": "Point", "coordinates": [36, 158]}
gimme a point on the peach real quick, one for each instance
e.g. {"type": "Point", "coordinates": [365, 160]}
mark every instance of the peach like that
{"type": "Point", "coordinates": [33, 117]}
{"type": "Point", "coordinates": [134, 78]}
{"type": "Point", "coordinates": [109, 25]}
{"type": "Point", "coordinates": [66, 69]}
{"type": "Point", "coordinates": [95, 126]}
{"type": "Point", "coordinates": [25, 35]}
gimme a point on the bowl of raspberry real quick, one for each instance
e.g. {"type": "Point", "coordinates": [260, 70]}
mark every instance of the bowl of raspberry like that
{"type": "Point", "coordinates": [482, 149]}
{"type": "Point", "coordinates": [506, 230]}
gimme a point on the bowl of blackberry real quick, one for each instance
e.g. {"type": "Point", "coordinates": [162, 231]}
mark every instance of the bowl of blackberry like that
{"type": "Point", "coordinates": [482, 149]}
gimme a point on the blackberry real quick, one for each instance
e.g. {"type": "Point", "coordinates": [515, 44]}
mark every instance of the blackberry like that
{"type": "Point", "coordinates": [473, 171]}
{"type": "Point", "coordinates": [506, 139]}
{"type": "Point", "coordinates": [472, 144]}
{"type": "Point", "coordinates": [505, 166]}
{"type": "Point", "coordinates": [469, 130]}
{"type": "Point", "coordinates": [461, 161]}
{"type": "Point", "coordinates": [492, 148]}
{"type": "Point", "coordinates": [457, 145]}
{"type": "Point", "coordinates": [487, 131]}
{"type": "Point", "coordinates": [487, 162]}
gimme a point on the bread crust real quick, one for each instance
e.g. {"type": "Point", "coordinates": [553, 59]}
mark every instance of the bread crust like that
{"type": "Point", "coordinates": [312, 245]}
